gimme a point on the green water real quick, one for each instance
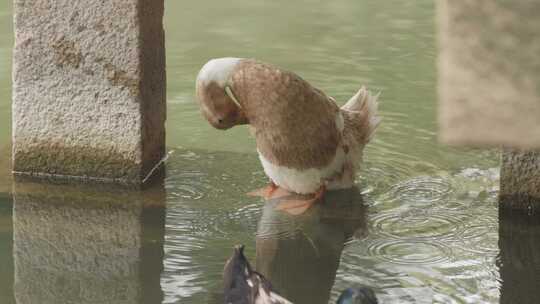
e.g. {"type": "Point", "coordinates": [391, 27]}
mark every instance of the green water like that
{"type": "Point", "coordinates": [422, 227]}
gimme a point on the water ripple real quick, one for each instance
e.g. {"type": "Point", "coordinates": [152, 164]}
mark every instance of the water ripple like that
{"type": "Point", "coordinates": [190, 185]}
{"type": "Point", "coordinates": [421, 225]}
{"type": "Point", "coordinates": [481, 238]}
{"type": "Point", "coordinates": [421, 190]}
{"type": "Point", "coordinates": [410, 252]}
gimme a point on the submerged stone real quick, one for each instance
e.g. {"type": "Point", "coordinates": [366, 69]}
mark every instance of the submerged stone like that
{"type": "Point", "coordinates": [520, 180]}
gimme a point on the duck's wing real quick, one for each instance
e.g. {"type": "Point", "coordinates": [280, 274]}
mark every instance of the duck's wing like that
{"type": "Point", "coordinates": [296, 125]}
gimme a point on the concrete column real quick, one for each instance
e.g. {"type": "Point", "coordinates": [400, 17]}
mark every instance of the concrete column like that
{"type": "Point", "coordinates": [520, 180]}
{"type": "Point", "coordinates": [87, 245]}
{"type": "Point", "coordinates": [489, 72]}
{"type": "Point", "coordinates": [88, 88]}
{"type": "Point", "coordinates": [489, 93]}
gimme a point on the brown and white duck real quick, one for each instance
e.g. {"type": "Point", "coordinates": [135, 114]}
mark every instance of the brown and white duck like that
{"type": "Point", "coordinates": [306, 142]}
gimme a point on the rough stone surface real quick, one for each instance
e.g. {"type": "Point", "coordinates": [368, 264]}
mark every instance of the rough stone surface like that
{"type": "Point", "coordinates": [520, 180]}
{"type": "Point", "coordinates": [86, 245]}
{"type": "Point", "coordinates": [89, 88]}
{"type": "Point", "coordinates": [489, 72]}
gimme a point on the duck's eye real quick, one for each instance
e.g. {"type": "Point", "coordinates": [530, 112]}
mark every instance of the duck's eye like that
{"type": "Point", "coordinates": [220, 120]}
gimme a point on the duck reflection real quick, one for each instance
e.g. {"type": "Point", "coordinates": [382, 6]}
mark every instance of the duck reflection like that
{"type": "Point", "coordinates": [300, 254]}
{"type": "Point", "coordinates": [519, 258]}
{"type": "Point", "coordinates": [87, 244]}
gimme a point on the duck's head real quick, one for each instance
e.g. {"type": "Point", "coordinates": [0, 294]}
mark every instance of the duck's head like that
{"type": "Point", "coordinates": [216, 99]}
{"type": "Point", "coordinates": [244, 285]}
{"type": "Point", "coordinates": [237, 267]}
{"type": "Point", "coordinates": [359, 295]}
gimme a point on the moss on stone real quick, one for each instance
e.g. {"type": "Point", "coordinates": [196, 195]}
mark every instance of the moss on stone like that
{"type": "Point", "coordinates": [120, 78]}
{"type": "Point", "coordinates": [67, 53]}
{"type": "Point", "coordinates": [77, 162]}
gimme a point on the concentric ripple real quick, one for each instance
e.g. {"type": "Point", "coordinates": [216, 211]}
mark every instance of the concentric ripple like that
{"type": "Point", "coordinates": [425, 225]}
{"type": "Point", "coordinates": [381, 174]}
{"type": "Point", "coordinates": [410, 252]}
{"type": "Point", "coordinates": [191, 185]}
{"type": "Point", "coordinates": [421, 190]}
{"type": "Point", "coordinates": [481, 238]}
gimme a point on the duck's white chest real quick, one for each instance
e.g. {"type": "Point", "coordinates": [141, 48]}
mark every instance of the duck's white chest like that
{"type": "Point", "coordinates": [308, 180]}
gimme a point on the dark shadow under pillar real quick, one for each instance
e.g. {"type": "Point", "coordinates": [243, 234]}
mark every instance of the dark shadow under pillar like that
{"type": "Point", "coordinates": [519, 260]}
{"type": "Point", "coordinates": [6, 250]}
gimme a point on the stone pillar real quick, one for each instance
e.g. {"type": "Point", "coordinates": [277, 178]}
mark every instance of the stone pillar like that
{"type": "Point", "coordinates": [489, 93]}
{"type": "Point", "coordinates": [87, 245]}
{"type": "Point", "coordinates": [489, 72]}
{"type": "Point", "coordinates": [89, 88]}
{"type": "Point", "coordinates": [520, 180]}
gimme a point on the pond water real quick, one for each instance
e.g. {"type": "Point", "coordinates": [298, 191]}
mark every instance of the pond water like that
{"type": "Point", "coordinates": [421, 227]}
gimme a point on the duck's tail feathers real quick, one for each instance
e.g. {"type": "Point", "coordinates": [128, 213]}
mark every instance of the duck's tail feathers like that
{"type": "Point", "coordinates": [365, 105]}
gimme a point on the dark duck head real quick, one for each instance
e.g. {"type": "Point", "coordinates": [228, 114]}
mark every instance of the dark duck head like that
{"type": "Point", "coordinates": [243, 285]}
{"type": "Point", "coordinates": [359, 295]}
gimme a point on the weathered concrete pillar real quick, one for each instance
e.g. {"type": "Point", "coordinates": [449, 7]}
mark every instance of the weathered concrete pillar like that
{"type": "Point", "coordinates": [520, 180]}
{"type": "Point", "coordinates": [489, 86]}
{"type": "Point", "coordinates": [87, 245]}
{"type": "Point", "coordinates": [489, 72]}
{"type": "Point", "coordinates": [89, 88]}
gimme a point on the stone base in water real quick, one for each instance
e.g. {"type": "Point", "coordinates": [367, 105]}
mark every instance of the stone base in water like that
{"type": "Point", "coordinates": [520, 180]}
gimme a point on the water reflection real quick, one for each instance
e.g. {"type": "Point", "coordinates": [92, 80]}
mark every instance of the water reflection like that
{"type": "Point", "coordinates": [519, 262]}
{"type": "Point", "coordinates": [300, 255]}
{"type": "Point", "coordinates": [87, 244]}
{"type": "Point", "coordinates": [6, 258]}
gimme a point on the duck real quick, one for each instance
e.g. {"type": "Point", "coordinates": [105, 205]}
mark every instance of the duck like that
{"type": "Point", "coordinates": [243, 285]}
{"type": "Point", "coordinates": [306, 143]}
{"type": "Point", "coordinates": [358, 295]}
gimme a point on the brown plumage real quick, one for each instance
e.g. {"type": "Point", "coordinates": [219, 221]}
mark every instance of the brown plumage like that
{"type": "Point", "coordinates": [304, 139]}
{"type": "Point", "coordinates": [285, 112]}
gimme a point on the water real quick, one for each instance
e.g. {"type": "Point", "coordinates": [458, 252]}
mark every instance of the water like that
{"type": "Point", "coordinates": [422, 226]}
